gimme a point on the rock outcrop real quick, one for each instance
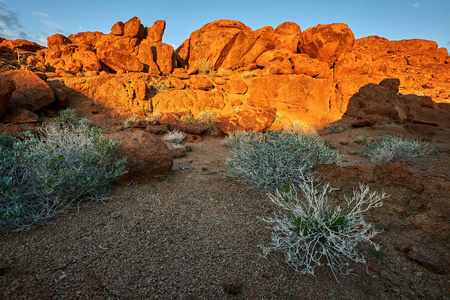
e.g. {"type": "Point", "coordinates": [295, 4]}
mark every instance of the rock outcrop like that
{"type": "Point", "coordinates": [309, 76]}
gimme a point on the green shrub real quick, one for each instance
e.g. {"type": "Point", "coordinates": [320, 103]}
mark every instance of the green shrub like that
{"type": "Point", "coordinates": [334, 129]}
{"type": "Point", "coordinates": [41, 177]}
{"type": "Point", "coordinates": [312, 231]}
{"type": "Point", "coordinates": [269, 161]}
{"type": "Point", "coordinates": [391, 148]}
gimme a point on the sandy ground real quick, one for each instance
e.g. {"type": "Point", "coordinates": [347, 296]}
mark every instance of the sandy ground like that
{"type": "Point", "coordinates": [195, 235]}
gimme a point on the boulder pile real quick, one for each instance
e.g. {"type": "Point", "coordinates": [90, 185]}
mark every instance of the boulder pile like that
{"type": "Point", "coordinates": [309, 76]}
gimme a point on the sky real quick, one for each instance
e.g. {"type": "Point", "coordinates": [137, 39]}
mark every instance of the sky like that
{"type": "Point", "coordinates": [35, 20]}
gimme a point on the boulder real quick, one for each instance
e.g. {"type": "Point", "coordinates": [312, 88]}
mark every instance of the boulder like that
{"type": "Point", "coordinates": [327, 42]}
{"type": "Point", "coordinates": [147, 155]}
{"type": "Point", "coordinates": [89, 60]}
{"type": "Point", "coordinates": [145, 56]}
{"type": "Point", "coordinates": [177, 83]}
{"type": "Point", "coordinates": [156, 32]}
{"type": "Point", "coordinates": [12, 129]}
{"type": "Point", "coordinates": [165, 58]}
{"type": "Point", "coordinates": [180, 73]}
{"type": "Point", "coordinates": [288, 28]}
{"type": "Point", "coordinates": [264, 59]}
{"type": "Point", "coordinates": [31, 91]}
{"type": "Point", "coordinates": [279, 67]}
{"type": "Point", "coordinates": [118, 28]}
{"type": "Point", "coordinates": [7, 87]}
{"type": "Point", "coordinates": [235, 86]}
{"type": "Point", "coordinates": [254, 119]}
{"type": "Point", "coordinates": [303, 64]}
{"type": "Point", "coordinates": [119, 60]}
{"type": "Point", "coordinates": [19, 116]}
{"type": "Point", "coordinates": [200, 82]}
{"type": "Point", "coordinates": [56, 40]}
{"type": "Point", "coordinates": [223, 42]}
{"type": "Point", "coordinates": [132, 27]}
{"type": "Point", "coordinates": [12, 45]}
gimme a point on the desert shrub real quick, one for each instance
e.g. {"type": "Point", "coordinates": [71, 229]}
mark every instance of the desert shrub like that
{"type": "Point", "coordinates": [334, 129]}
{"type": "Point", "coordinates": [224, 72]}
{"type": "Point", "coordinates": [204, 67]}
{"type": "Point", "coordinates": [361, 140]}
{"type": "Point", "coordinates": [203, 117]}
{"type": "Point", "coordinates": [129, 122]}
{"type": "Point", "coordinates": [248, 74]}
{"type": "Point", "coordinates": [206, 116]}
{"type": "Point", "coordinates": [174, 136]}
{"type": "Point", "coordinates": [312, 231]}
{"type": "Point", "coordinates": [68, 117]}
{"type": "Point", "coordinates": [159, 85]}
{"type": "Point", "coordinates": [153, 118]}
{"type": "Point", "coordinates": [269, 161]}
{"type": "Point", "coordinates": [41, 177]}
{"type": "Point", "coordinates": [300, 128]}
{"type": "Point", "coordinates": [391, 148]}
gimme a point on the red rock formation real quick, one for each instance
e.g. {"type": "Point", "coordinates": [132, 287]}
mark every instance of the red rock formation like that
{"type": "Point", "coordinates": [31, 91]}
{"type": "Point", "coordinates": [327, 42]}
{"type": "Point", "coordinates": [7, 87]}
{"type": "Point", "coordinates": [147, 155]}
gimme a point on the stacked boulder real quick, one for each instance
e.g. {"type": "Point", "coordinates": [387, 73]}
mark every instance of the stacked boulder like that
{"type": "Point", "coordinates": [130, 47]}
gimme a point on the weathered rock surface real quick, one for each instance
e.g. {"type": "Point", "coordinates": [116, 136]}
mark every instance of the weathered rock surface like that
{"type": "Point", "coordinates": [31, 91]}
{"type": "Point", "coordinates": [147, 155]}
{"type": "Point", "coordinates": [254, 119]}
{"type": "Point", "coordinates": [19, 116]}
{"type": "Point", "coordinates": [327, 42]}
{"type": "Point", "coordinates": [7, 87]}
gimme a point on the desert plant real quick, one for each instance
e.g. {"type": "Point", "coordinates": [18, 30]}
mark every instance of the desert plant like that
{"type": "Point", "coordinates": [41, 177]}
{"type": "Point", "coordinates": [391, 148]}
{"type": "Point", "coordinates": [300, 128]}
{"type": "Point", "coordinates": [224, 72]}
{"type": "Point", "coordinates": [269, 161]}
{"type": "Point", "coordinates": [334, 129]}
{"type": "Point", "coordinates": [361, 140]}
{"type": "Point", "coordinates": [129, 122]}
{"type": "Point", "coordinates": [174, 136]}
{"type": "Point", "coordinates": [21, 60]}
{"type": "Point", "coordinates": [312, 231]}
{"type": "Point", "coordinates": [248, 74]}
{"type": "Point", "coordinates": [204, 67]}
{"type": "Point", "coordinates": [68, 116]}
{"type": "Point", "coordinates": [236, 110]}
{"type": "Point", "coordinates": [153, 118]}
{"type": "Point", "coordinates": [206, 116]}
{"type": "Point", "coordinates": [159, 85]}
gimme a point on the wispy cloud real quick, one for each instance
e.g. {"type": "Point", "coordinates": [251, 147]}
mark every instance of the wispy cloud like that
{"type": "Point", "coordinates": [40, 14]}
{"type": "Point", "coordinates": [53, 25]}
{"type": "Point", "coordinates": [43, 41]}
{"type": "Point", "coordinates": [11, 26]}
{"type": "Point", "coordinates": [416, 5]}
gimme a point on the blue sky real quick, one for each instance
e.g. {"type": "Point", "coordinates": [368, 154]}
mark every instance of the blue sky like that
{"type": "Point", "coordinates": [394, 19]}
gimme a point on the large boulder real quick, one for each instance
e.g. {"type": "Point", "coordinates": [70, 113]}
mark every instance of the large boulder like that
{"type": "Point", "coordinates": [7, 88]}
{"type": "Point", "coordinates": [13, 45]}
{"type": "Point", "coordinates": [119, 60]}
{"type": "Point", "coordinates": [56, 40]}
{"type": "Point", "coordinates": [223, 42]}
{"type": "Point", "coordinates": [31, 91]}
{"type": "Point", "coordinates": [327, 42]}
{"type": "Point", "coordinates": [147, 155]}
{"type": "Point", "coordinates": [156, 32]}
